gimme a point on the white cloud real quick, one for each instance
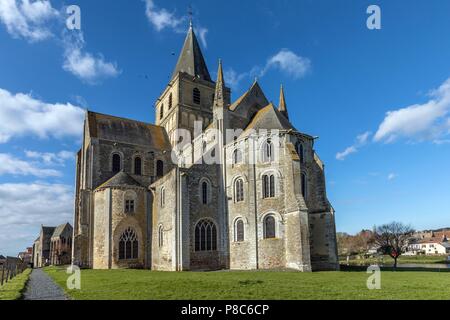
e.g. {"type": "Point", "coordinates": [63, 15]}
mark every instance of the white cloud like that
{"type": "Point", "coordinates": [49, 158]}
{"type": "Point", "coordinates": [361, 140]}
{"type": "Point", "coordinates": [441, 141]}
{"type": "Point", "coordinates": [14, 166]}
{"type": "Point", "coordinates": [427, 121]}
{"type": "Point", "coordinates": [32, 20]}
{"type": "Point", "coordinates": [161, 18]}
{"type": "Point", "coordinates": [344, 154]}
{"type": "Point", "coordinates": [232, 78]}
{"type": "Point", "coordinates": [28, 19]}
{"type": "Point", "coordinates": [285, 60]}
{"type": "Point", "coordinates": [290, 63]}
{"type": "Point", "coordinates": [25, 206]}
{"type": "Point", "coordinates": [202, 34]}
{"type": "Point", "coordinates": [392, 176]}
{"type": "Point", "coordinates": [83, 64]}
{"type": "Point", "coordinates": [21, 115]}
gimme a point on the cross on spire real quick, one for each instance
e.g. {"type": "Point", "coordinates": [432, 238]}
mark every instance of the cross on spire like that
{"type": "Point", "coordinates": [190, 14]}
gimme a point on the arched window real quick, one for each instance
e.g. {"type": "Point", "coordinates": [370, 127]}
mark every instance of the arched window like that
{"type": "Point", "coordinates": [170, 101]}
{"type": "Point", "coordinates": [269, 227]}
{"type": "Point", "coordinates": [205, 192]}
{"type": "Point", "coordinates": [239, 190]}
{"type": "Point", "coordinates": [128, 245]}
{"type": "Point", "coordinates": [161, 236]}
{"type": "Point", "coordinates": [304, 185]}
{"type": "Point", "coordinates": [301, 152]}
{"type": "Point", "coordinates": [268, 186]}
{"type": "Point", "coordinates": [161, 112]}
{"type": "Point", "coordinates": [129, 206]}
{"type": "Point", "coordinates": [196, 96]}
{"type": "Point", "coordinates": [163, 197]}
{"type": "Point", "coordinates": [138, 166]}
{"type": "Point", "coordinates": [237, 156]}
{"type": "Point", "coordinates": [205, 236]}
{"type": "Point", "coordinates": [116, 163]}
{"type": "Point", "coordinates": [268, 150]}
{"type": "Point", "coordinates": [159, 168]}
{"type": "Point", "coordinates": [239, 231]}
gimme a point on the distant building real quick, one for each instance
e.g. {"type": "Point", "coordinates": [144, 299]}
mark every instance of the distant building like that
{"type": "Point", "coordinates": [2, 259]}
{"type": "Point", "coordinates": [41, 247]}
{"type": "Point", "coordinates": [53, 246]}
{"type": "Point", "coordinates": [430, 242]}
{"type": "Point", "coordinates": [61, 245]}
{"type": "Point", "coordinates": [26, 256]}
{"type": "Point", "coordinates": [429, 247]}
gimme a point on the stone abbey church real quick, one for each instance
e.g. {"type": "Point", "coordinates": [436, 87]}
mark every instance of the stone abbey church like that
{"type": "Point", "coordinates": [263, 205]}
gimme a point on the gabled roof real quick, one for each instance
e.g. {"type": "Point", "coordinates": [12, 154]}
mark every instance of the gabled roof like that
{"type": "Point", "coordinates": [48, 231]}
{"type": "Point", "coordinates": [2, 257]}
{"type": "Point", "coordinates": [269, 118]}
{"type": "Point", "coordinates": [253, 96]}
{"type": "Point", "coordinates": [117, 129]}
{"type": "Point", "coordinates": [60, 229]}
{"type": "Point", "coordinates": [122, 179]}
{"type": "Point", "coordinates": [191, 59]}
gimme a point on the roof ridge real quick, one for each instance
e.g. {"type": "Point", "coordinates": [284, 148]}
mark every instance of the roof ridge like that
{"type": "Point", "coordinates": [116, 177]}
{"type": "Point", "coordinates": [126, 119]}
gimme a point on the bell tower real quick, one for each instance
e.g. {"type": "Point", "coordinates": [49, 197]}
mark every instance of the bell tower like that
{"type": "Point", "coordinates": [189, 96]}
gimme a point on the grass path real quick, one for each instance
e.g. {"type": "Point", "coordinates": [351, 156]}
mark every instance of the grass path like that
{"type": "Point", "coordinates": [14, 288]}
{"type": "Point", "coordinates": [143, 285]}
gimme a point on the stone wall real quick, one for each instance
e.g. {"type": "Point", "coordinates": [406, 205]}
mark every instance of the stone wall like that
{"type": "Point", "coordinates": [111, 221]}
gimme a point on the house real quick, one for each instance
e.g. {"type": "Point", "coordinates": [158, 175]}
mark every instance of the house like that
{"type": "Point", "coordinates": [26, 256]}
{"type": "Point", "coordinates": [61, 245]}
{"type": "Point", "coordinates": [430, 247]}
{"type": "Point", "coordinates": [53, 246]}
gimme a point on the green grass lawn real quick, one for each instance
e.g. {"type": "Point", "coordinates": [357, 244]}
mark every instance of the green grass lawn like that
{"type": "Point", "coordinates": [403, 259]}
{"type": "Point", "coordinates": [143, 284]}
{"type": "Point", "coordinates": [13, 289]}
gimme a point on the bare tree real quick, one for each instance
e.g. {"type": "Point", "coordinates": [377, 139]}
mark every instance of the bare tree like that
{"type": "Point", "coordinates": [392, 239]}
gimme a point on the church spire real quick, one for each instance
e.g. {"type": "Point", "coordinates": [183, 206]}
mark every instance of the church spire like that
{"type": "Point", "coordinates": [191, 59]}
{"type": "Point", "coordinates": [219, 98]}
{"type": "Point", "coordinates": [282, 106]}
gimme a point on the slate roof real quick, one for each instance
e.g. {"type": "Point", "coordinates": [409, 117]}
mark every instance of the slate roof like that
{"type": "Point", "coordinates": [60, 229]}
{"type": "Point", "coordinates": [48, 231]}
{"type": "Point", "coordinates": [269, 118]}
{"type": "Point", "coordinates": [2, 257]}
{"type": "Point", "coordinates": [122, 179]}
{"type": "Point", "coordinates": [191, 59]}
{"type": "Point", "coordinates": [254, 95]}
{"type": "Point", "coordinates": [112, 128]}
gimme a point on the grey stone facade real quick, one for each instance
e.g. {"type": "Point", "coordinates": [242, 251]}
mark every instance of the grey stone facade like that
{"type": "Point", "coordinates": [147, 197]}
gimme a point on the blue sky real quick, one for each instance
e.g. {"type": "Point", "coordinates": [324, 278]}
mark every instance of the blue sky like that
{"type": "Point", "coordinates": [378, 99]}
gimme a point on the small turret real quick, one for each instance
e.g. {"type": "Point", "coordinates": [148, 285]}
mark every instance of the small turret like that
{"type": "Point", "coordinates": [282, 106]}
